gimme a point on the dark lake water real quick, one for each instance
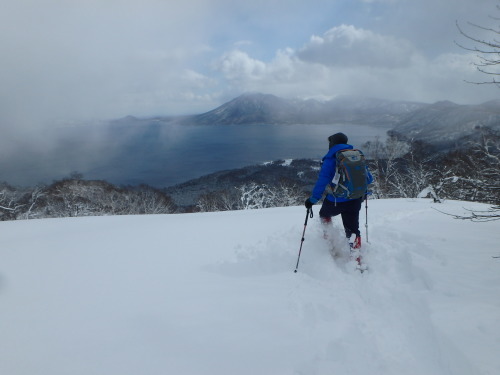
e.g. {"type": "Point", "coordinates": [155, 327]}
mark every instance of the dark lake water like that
{"type": "Point", "coordinates": [163, 154]}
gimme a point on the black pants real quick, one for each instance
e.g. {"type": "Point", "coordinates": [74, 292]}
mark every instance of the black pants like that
{"type": "Point", "coordinates": [349, 212]}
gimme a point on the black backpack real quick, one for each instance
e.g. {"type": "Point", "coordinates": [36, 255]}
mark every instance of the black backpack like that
{"type": "Point", "coordinates": [350, 180]}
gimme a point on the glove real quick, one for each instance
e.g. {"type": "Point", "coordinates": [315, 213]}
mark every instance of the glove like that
{"type": "Point", "coordinates": [308, 203]}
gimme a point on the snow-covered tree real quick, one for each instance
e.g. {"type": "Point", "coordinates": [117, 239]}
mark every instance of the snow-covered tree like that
{"type": "Point", "coordinates": [147, 200]}
{"type": "Point", "coordinates": [255, 196]}
{"type": "Point", "coordinates": [384, 165]}
{"type": "Point", "coordinates": [10, 205]}
{"type": "Point", "coordinates": [476, 173]}
{"type": "Point", "coordinates": [76, 197]}
{"type": "Point", "coordinates": [221, 200]}
{"type": "Point", "coordinates": [34, 196]}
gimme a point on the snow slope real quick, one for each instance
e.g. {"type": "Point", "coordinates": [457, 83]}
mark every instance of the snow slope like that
{"type": "Point", "coordinates": [215, 293]}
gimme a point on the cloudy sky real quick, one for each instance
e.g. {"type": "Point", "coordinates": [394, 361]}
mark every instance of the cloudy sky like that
{"type": "Point", "coordinates": [69, 59]}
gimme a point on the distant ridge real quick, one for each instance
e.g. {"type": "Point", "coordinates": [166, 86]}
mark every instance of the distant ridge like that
{"type": "Point", "coordinates": [441, 123]}
{"type": "Point", "coordinates": [257, 108]}
{"type": "Point", "coordinates": [444, 122]}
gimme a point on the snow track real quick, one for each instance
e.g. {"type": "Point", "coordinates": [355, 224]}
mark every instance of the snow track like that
{"type": "Point", "coordinates": [216, 294]}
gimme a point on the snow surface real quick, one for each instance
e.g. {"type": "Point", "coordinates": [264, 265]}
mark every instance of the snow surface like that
{"type": "Point", "coordinates": [215, 293]}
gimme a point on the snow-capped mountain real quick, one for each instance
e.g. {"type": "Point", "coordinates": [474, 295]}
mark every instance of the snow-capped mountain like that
{"type": "Point", "coordinates": [249, 109]}
{"type": "Point", "coordinates": [256, 108]}
{"type": "Point", "coordinates": [443, 123]}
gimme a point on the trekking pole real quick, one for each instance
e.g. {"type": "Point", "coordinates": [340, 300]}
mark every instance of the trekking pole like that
{"type": "Point", "coordinates": [366, 217]}
{"type": "Point", "coordinates": [303, 233]}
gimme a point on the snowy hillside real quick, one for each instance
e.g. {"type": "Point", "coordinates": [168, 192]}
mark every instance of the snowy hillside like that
{"type": "Point", "coordinates": [215, 293]}
{"type": "Point", "coordinates": [258, 108]}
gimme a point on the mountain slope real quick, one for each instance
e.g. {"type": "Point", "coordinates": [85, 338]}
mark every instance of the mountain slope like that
{"type": "Point", "coordinates": [216, 294]}
{"type": "Point", "coordinates": [249, 109]}
{"type": "Point", "coordinates": [256, 108]}
{"type": "Point", "coordinates": [301, 173]}
{"type": "Point", "coordinates": [443, 123]}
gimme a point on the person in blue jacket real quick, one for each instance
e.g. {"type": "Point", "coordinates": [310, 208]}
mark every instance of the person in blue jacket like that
{"type": "Point", "coordinates": [333, 206]}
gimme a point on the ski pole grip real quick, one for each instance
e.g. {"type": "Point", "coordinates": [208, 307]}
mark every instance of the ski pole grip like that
{"type": "Point", "coordinates": [309, 214]}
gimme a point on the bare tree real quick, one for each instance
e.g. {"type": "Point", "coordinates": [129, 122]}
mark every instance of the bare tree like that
{"type": "Point", "coordinates": [412, 173]}
{"type": "Point", "coordinates": [288, 195]}
{"type": "Point", "coordinates": [488, 53]}
{"type": "Point", "coordinates": [221, 200]}
{"type": "Point", "coordinates": [37, 193]}
{"type": "Point", "coordinates": [487, 50]}
{"type": "Point", "coordinates": [255, 196]}
{"type": "Point", "coordinates": [148, 200]}
{"type": "Point", "coordinates": [76, 197]}
{"type": "Point", "coordinates": [385, 165]}
{"type": "Point", "coordinates": [10, 204]}
{"type": "Point", "coordinates": [490, 214]}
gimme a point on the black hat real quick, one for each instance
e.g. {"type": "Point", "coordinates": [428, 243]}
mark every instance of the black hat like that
{"type": "Point", "coordinates": [336, 139]}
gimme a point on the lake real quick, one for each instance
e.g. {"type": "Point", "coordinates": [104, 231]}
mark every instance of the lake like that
{"type": "Point", "coordinates": [162, 155]}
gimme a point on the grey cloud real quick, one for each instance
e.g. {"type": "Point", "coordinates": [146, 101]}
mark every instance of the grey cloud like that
{"type": "Point", "coordinates": [349, 46]}
{"type": "Point", "coordinates": [94, 59]}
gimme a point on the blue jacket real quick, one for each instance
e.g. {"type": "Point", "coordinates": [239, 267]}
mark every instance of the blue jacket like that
{"type": "Point", "coordinates": [328, 172]}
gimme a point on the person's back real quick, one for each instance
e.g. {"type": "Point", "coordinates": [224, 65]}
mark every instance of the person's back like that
{"type": "Point", "coordinates": [340, 200]}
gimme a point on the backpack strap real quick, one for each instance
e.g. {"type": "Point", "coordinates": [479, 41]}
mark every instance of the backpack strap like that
{"type": "Point", "coordinates": [337, 175]}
